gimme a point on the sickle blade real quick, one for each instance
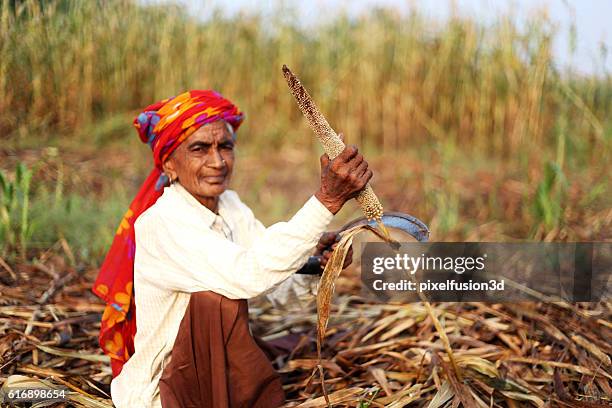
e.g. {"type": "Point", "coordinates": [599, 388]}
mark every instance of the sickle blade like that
{"type": "Point", "coordinates": [399, 221]}
{"type": "Point", "coordinates": [394, 220]}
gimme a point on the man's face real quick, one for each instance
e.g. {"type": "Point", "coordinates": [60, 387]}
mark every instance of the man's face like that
{"type": "Point", "coordinates": [204, 162]}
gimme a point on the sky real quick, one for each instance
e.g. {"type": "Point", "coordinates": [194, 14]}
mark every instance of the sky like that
{"type": "Point", "coordinates": [592, 19]}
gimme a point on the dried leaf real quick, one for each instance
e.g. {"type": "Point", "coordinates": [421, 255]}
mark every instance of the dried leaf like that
{"type": "Point", "coordinates": [98, 358]}
{"type": "Point", "coordinates": [341, 396]}
{"type": "Point", "coordinates": [517, 396]}
{"type": "Point", "coordinates": [381, 378]}
{"type": "Point", "coordinates": [444, 394]}
{"type": "Point", "coordinates": [593, 349]}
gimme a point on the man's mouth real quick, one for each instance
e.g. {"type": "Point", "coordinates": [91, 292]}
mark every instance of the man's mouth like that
{"type": "Point", "coordinates": [214, 179]}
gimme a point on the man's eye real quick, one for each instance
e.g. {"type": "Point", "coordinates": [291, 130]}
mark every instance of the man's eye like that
{"type": "Point", "coordinates": [227, 146]}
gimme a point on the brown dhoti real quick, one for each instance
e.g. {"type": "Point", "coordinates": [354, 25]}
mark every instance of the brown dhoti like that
{"type": "Point", "coordinates": [215, 361]}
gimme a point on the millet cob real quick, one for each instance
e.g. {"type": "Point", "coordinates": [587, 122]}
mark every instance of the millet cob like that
{"type": "Point", "coordinates": [333, 146]}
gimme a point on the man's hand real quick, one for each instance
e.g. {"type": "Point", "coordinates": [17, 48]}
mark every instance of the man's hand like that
{"type": "Point", "coordinates": [342, 178]}
{"type": "Point", "coordinates": [327, 243]}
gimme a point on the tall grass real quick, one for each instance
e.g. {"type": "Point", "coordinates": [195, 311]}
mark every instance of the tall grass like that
{"type": "Point", "coordinates": [383, 78]}
{"type": "Point", "coordinates": [403, 85]}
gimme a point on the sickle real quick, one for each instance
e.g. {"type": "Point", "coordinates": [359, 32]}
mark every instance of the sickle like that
{"type": "Point", "coordinates": [394, 220]}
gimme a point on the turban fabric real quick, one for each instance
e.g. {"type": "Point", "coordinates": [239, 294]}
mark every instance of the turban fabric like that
{"type": "Point", "coordinates": [163, 126]}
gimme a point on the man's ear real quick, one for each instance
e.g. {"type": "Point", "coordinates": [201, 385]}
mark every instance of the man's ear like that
{"type": "Point", "coordinates": [168, 167]}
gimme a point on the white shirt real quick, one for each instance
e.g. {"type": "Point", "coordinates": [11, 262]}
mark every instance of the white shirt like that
{"type": "Point", "coordinates": [180, 250]}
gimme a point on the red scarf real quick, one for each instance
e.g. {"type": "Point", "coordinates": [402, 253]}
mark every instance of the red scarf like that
{"type": "Point", "coordinates": [163, 126]}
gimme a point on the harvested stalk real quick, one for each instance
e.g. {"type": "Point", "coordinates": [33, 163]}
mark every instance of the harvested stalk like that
{"type": "Point", "coordinates": [333, 146]}
{"type": "Point", "coordinates": [326, 290]}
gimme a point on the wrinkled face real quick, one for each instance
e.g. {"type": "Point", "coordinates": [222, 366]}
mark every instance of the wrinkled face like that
{"type": "Point", "coordinates": [203, 163]}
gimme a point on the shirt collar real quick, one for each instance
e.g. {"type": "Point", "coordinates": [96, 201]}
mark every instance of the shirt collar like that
{"type": "Point", "coordinates": [207, 215]}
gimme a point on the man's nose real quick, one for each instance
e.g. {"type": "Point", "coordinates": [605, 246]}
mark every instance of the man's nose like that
{"type": "Point", "coordinates": [216, 161]}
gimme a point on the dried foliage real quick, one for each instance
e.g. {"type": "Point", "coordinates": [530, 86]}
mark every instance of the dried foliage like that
{"type": "Point", "coordinates": [507, 355]}
{"type": "Point", "coordinates": [374, 355]}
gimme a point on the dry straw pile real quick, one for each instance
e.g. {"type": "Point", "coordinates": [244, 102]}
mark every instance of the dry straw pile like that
{"type": "Point", "coordinates": [373, 355]}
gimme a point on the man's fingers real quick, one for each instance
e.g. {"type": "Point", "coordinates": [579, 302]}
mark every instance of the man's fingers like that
{"type": "Point", "coordinates": [349, 258]}
{"type": "Point", "coordinates": [324, 160]}
{"type": "Point", "coordinates": [367, 177]}
{"type": "Point", "coordinates": [332, 236]}
{"type": "Point", "coordinates": [341, 136]}
{"type": "Point", "coordinates": [326, 240]}
{"type": "Point", "coordinates": [348, 153]}
{"type": "Point", "coordinates": [361, 169]}
{"type": "Point", "coordinates": [326, 255]}
{"type": "Point", "coordinates": [357, 160]}
{"type": "Point", "coordinates": [328, 247]}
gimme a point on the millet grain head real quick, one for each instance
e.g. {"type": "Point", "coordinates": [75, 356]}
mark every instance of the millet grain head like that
{"type": "Point", "coordinates": [333, 146]}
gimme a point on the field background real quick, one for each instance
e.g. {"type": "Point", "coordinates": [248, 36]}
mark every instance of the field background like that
{"type": "Point", "coordinates": [473, 129]}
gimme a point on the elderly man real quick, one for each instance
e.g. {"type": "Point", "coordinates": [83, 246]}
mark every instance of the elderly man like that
{"type": "Point", "coordinates": [188, 254]}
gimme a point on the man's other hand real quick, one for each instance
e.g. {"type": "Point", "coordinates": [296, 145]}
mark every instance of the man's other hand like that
{"type": "Point", "coordinates": [327, 243]}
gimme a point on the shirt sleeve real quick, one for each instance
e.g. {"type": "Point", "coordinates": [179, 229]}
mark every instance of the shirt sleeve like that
{"type": "Point", "coordinates": [294, 291]}
{"type": "Point", "coordinates": [180, 255]}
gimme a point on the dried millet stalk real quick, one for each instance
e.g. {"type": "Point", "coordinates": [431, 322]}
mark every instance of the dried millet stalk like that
{"type": "Point", "coordinates": [333, 146]}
